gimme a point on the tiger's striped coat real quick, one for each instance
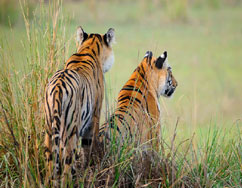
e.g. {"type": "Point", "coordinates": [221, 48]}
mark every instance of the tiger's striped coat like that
{"type": "Point", "coordinates": [138, 110]}
{"type": "Point", "coordinates": [73, 101]}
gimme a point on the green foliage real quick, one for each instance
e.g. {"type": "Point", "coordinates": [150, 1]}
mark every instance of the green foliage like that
{"type": "Point", "coordinates": [177, 9]}
{"type": "Point", "coordinates": [214, 3]}
{"type": "Point", "coordinates": [8, 12]}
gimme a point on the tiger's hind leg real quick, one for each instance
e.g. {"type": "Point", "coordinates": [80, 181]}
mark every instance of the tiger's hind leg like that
{"type": "Point", "coordinates": [69, 175]}
{"type": "Point", "coordinates": [53, 171]}
{"type": "Point", "coordinates": [48, 158]}
{"type": "Point", "coordinates": [94, 130]}
{"type": "Point", "coordinates": [56, 158]}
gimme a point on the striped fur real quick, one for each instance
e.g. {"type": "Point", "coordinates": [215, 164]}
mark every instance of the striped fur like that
{"type": "Point", "coordinates": [73, 100]}
{"type": "Point", "coordinates": [138, 111]}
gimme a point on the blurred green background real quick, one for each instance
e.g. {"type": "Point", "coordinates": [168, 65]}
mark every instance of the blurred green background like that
{"type": "Point", "coordinates": [203, 39]}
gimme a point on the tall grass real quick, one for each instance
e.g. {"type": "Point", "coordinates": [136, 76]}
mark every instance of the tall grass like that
{"type": "Point", "coordinates": [22, 116]}
{"type": "Point", "coordinates": [194, 162]}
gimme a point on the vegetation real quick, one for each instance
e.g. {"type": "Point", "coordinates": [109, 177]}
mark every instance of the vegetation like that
{"type": "Point", "coordinates": [200, 143]}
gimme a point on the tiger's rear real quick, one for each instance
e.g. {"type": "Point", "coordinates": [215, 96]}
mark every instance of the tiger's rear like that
{"type": "Point", "coordinates": [73, 101]}
{"type": "Point", "coordinates": [138, 110]}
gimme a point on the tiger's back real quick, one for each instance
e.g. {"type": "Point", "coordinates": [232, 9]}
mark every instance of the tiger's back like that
{"type": "Point", "coordinates": [73, 101]}
{"type": "Point", "coordinates": [138, 110]}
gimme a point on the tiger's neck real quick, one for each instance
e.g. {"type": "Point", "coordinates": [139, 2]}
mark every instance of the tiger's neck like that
{"type": "Point", "coordinates": [138, 87]}
{"type": "Point", "coordinates": [150, 96]}
{"type": "Point", "coordinates": [153, 105]}
{"type": "Point", "coordinates": [86, 59]}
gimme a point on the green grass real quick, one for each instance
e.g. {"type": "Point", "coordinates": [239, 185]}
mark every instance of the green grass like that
{"type": "Point", "coordinates": [204, 50]}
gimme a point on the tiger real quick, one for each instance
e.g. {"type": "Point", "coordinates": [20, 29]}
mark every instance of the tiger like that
{"type": "Point", "coordinates": [138, 110]}
{"type": "Point", "coordinates": [73, 100]}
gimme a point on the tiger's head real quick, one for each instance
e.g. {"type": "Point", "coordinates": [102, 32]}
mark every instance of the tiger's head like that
{"type": "Point", "coordinates": [101, 45]}
{"type": "Point", "coordinates": [160, 74]}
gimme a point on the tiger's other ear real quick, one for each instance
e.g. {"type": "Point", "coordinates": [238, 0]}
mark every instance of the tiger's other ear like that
{"type": "Point", "coordinates": [160, 61]}
{"type": "Point", "coordinates": [109, 37]}
{"type": "Point", "coordinates": [81, 35]}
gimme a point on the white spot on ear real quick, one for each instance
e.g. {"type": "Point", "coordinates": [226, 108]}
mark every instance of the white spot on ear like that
{"type": "Point", "coordinates": [166, 64]}
{"type": "Point", "coordinates": [108, 63]}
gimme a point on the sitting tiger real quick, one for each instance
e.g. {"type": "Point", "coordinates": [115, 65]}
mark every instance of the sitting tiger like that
{"type": "Point", "coordinates": [138, 110]}
{"type": "Point", "coordinates": [73, 101]}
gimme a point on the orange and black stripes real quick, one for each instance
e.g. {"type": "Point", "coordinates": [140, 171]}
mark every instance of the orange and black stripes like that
{"type": "Point", "coordinates": [73, 101]}
{"type": "Point", "coordinates": [138, 110]}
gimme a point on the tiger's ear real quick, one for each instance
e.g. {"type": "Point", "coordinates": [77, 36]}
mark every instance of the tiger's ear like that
{"type": "Point", "coordinates": [81, 35]}
{"type": "Point", "coordinates": [109, 37]}
{"type": "Point", "coordinates": [160, 61]}
{"type": "Point", "coordinates": [148, 54]}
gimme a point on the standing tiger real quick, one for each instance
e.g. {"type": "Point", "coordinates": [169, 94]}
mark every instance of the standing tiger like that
{"type": "Point", "coordinates": [138, 110]}
{"type": "Point", "coordinates": [73, 101]}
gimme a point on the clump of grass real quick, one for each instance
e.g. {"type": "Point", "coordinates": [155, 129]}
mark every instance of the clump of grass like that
{"type": "Point", "coordinates": [218, 161]}
{"type": "Point", "coordinates": [209, 163]}
{"type": "Point", "coordinates": [131, 164]}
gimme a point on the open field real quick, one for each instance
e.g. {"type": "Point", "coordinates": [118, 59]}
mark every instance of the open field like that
{"type": "Point", "coordinates": [204, 50]}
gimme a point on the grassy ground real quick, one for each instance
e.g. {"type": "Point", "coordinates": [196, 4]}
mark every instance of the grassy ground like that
{"type": "Point", "coordinates": [204, 50]}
